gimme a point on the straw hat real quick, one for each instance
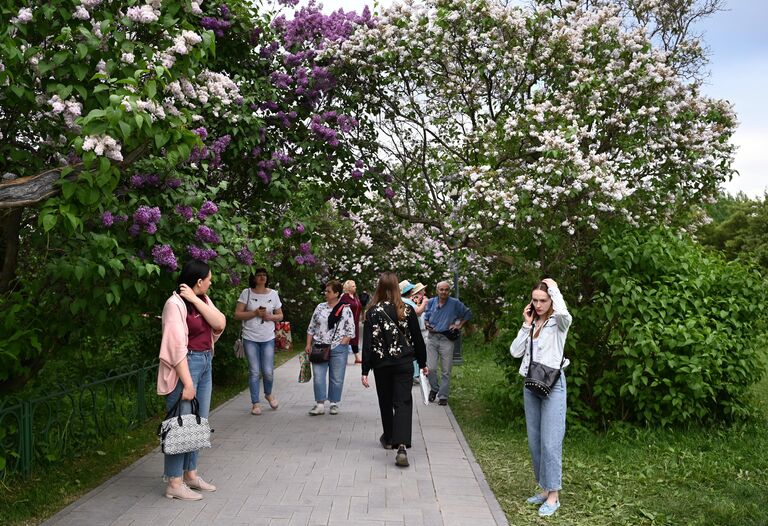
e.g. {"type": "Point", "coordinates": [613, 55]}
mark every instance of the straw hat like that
{"type": "Point", "coordinates": [418, 288]}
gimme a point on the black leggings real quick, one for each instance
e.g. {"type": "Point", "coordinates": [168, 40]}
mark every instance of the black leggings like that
{"type": "Point", "coordinates": [393, 385]}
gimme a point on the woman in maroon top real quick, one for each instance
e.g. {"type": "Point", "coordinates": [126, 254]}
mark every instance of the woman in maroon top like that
{"type": "Point", "coordinates": [190, 306]}
{"type": "Point", "coordinates": [350, 297]}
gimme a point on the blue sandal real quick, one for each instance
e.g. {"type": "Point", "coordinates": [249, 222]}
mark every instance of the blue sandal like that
{"type": "Point", "coordinates": [547, 509]}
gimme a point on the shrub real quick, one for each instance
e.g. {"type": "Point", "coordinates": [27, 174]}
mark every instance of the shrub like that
{"type": "Point", "coordinates": [673, 335]}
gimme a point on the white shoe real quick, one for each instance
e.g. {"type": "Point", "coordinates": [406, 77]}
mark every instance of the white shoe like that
{"type": "Point", "coordinates": [319, 409]}
{"type": "Point", "coordinates": [334, 409]}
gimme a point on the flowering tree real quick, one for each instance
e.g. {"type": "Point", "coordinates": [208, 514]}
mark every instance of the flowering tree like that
{"type": "Point", "coordinates": [138, 134]}
{"type": "Point", "coordinates": [518, 132]}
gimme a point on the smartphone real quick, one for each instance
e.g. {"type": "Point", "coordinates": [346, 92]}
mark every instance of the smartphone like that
{"type": "Point", "coordinates": [531, 310]}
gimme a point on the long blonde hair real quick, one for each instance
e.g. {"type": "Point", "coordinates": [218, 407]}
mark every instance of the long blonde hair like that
{"type": "Point", "coordinates": [388, 289]}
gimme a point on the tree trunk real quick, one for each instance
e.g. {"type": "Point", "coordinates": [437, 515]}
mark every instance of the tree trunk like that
{"type": "Point", "coordinates": [10, 223]}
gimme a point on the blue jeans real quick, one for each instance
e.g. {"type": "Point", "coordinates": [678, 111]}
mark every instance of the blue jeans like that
{"type": "Point", "coordinates": [335, 368]}
{"type": "Point", "coordinates": [200, 369]}
{"type": "Point", "coordinates": [545, 422]}
{"type": "Point", "coordinates": [261, 361]}
{"type": "Point", "coordinates": [439, 346]}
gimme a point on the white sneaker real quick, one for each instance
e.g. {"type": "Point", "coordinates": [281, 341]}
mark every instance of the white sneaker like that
{"type": "Point", "coordinates": [319, 409]}
{"type": "Point", "coordinates": [334, 409]}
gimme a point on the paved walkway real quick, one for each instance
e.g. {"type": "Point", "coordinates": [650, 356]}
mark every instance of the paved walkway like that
{"type": "Point", "coordinates": [285, 467]}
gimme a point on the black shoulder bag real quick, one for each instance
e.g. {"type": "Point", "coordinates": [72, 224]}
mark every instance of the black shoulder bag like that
{"type": "Point", "coordinates": [541, 379]}
{"type": "Point", "coordinates": [321, 352]}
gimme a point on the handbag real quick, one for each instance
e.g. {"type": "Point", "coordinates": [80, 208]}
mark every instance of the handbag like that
{"type": "Point", "coordinates": [305, 369]}
{"type": "Point", "coordinates": [541, 379]}
{"type": "Point", "coordinates": [239, 347]}
{"type": "Point", "coordinates": [321, 352]}
{"type": "Point", "coordinates": [184, 433]}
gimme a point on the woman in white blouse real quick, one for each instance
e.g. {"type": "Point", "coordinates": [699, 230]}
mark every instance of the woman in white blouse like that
{"type": "Point", "coordinates": [259, 307]}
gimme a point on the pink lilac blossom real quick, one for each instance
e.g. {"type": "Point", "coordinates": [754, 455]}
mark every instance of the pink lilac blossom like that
{"type": "Point", "coordinates": [23, 16]}
{"type": "Point", "coordinates": [300, 228]}
{"type": "Point", "coordinates": [287, 232]}
{"type": "Point", "coordinates": [163, 255]}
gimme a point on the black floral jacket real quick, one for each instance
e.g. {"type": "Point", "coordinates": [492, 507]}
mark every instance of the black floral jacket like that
{"type": "Point", "coordinates": [389, 341]}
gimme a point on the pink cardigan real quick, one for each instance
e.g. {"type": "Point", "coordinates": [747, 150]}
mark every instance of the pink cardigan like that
{"type": "Point", "coordinates": [173, 347]}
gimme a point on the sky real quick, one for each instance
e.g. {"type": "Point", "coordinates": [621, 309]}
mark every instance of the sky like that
{"type": "Point", "coordinates": [738, 49]}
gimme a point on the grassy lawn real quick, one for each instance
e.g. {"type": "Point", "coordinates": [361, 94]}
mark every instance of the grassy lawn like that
{"type": "Point", "coordinates": [51, 489]}
{"type": "Point", "coordinates": [626, 476]}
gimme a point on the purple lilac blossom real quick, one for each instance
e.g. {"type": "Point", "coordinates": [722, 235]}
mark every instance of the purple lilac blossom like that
{"type": "Point", "coordinates": [287, 232]}
{"type": "Point", "coordinates": [218, 146]}
{"type": "Point", "coordinates": [216, 25]}
{"type": "Point", "coordinates": [224, 11]}
{"type": "Point", "coordinates": [150, 228]}
{"type": "Point", "coordinates": [356, 174]}
{"type": "Point", "coordinates": [300, 228]}
{"type": "Point", "coordinates": [305, 248]}
{"type": "Point", "coordinates": [201, 132]}
{"type": "Point", "coordinates": [204, 234]}
{"type": "Point", "coordinates": [145, 215]}
{"type": "Point", "coordinates": [245, 256]}
{"type": "Point", "coordinates": [234, 278]}
{"type": "Point", "coordinates": [107, 219]}
{"type": "Point", "coordinates": [203, 254]}
{"type": "Point", "coordinates": [389, 193]}
{"type": "Point", "coordinates": [299, 260]}
{"type": "Point", "coordinates": [173, 183]}
{"type": "Point", "coordinates": [163, 255]}
{"type": "Point", "coordinates": [208, 209]}
{"type": "Point", "coordinates": [359, 163]}
{"type": "Point", "coordinates": [185, 211]}
{"type": "Point", "coordinates": [309, 259]}
{"type": "Point", "coordinates": [134, 230]}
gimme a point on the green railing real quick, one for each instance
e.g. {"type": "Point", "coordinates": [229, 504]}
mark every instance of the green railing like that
{"type": "Point", "coordinates": [48, 428]}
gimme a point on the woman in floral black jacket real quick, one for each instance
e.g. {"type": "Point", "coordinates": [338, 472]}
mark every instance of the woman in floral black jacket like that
{"type": "Point", "coordinates": [391, 341]}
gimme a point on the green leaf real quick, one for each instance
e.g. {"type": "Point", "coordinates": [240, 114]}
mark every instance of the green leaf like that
{"type": "Point", "coordinates": [151, 89]}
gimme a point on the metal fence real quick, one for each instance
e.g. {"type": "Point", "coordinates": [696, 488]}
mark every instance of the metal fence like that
{"type": "Point", "coordinates": [52, 427]}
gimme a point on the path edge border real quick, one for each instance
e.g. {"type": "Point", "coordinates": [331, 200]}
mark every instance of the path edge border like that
{"type": "Point", "coordinates": [498, 514]}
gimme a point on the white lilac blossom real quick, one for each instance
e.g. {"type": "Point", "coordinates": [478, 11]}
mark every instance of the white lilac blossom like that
{"type": "Point", "coordinates": [24, 16]}
{"type": "Point", "coordinates": [128, 58]}
{"type": "Point", "coordinates": [103, 145]}
{"type": "Point", "coordinates": [145, 14]}
{"type": "Point", "coordinates": [81, 13]}
{"type": "Point", "coordinates": [69, 109]}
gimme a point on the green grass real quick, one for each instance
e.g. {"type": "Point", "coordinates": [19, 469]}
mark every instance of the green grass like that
{"type": "Point", "coordinates": [627, 476]}
{"type": "Point", "coordinates": [28, 502]}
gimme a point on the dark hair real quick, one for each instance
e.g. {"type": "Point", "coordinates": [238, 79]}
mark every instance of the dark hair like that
{"type": "Point", "coordinates": [541, 286]}
{"type": "Point", "coordinates": [252, 277]}
{"type": "Point", "coordinates": [336, 286]}
{"type": "Point", "coordinates": [192, 271]}
{"type": "Point", "coordinates": [388, 289]}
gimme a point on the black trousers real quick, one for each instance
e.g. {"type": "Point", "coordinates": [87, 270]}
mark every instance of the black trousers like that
{"type": "Point", "coordinates": [393, 386]}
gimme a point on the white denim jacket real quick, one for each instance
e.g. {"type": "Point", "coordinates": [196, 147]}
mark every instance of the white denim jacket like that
{"type": "Point", "coordinates": [551, 338]}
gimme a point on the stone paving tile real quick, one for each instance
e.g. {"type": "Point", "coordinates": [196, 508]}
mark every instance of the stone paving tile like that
{"type": "Point", "coordinates": [287, 468]}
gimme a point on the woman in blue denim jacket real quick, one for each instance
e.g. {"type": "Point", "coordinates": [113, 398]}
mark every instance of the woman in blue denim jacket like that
{"type": "Point", "coordinates": [545, 319]}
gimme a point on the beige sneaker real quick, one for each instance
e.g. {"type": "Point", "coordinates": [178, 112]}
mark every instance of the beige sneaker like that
{"type": "Point", "coordinates": [317, 410]}
{"type": "Point", "coordinates": [256, 409]}
{"type": "Point", "coordinates": [272, 401]}
{"type": "Point", "coordinates": [181, 492]}
{"type": "Point", "coordinates": [200, 485]}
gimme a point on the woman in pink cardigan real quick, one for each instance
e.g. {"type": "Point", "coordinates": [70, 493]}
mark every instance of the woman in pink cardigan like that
{"type": "Point", "coordinates": [191, 325]}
